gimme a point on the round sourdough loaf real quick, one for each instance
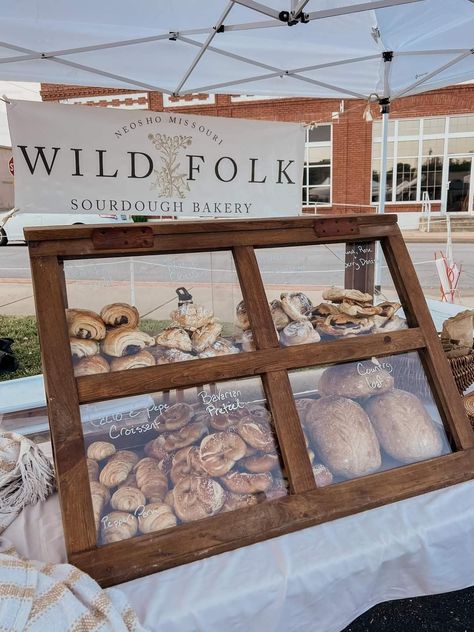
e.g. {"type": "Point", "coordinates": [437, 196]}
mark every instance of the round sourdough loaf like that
{"type": "Point", "coordinates": [403, 427]}
{"type": "Point", "coordinates": [343, 436]}
{"type": "Point", "coordinates": [356, 379]}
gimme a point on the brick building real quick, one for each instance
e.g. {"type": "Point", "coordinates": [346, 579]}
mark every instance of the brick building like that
{"type": "Point", "coordinates": [430, 151]}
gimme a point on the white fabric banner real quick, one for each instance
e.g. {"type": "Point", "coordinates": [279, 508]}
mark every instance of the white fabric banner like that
{"type": "Point", "coordinates": [95, 160]}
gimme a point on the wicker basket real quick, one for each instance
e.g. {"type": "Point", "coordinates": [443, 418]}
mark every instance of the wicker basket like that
{"type": "Point", "coordinates": [409, 375]}
{"type": "Point", "coordinates": [469, 407]}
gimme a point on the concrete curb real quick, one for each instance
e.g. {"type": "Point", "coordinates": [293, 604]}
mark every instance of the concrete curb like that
{"type": "Point", "coordinates": [416, 236]}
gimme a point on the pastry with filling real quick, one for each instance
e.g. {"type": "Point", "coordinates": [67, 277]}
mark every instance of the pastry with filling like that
{"type": "Point", "coordinates": [175, 338]}
{"type": "Point", "coordinates": [138, 361]}
{"type": "Point", "coordinates": [83, 348]}
{"type": "Point", "coordinates": [120, 314]}
{"type": "Point", "coordinates": [83, 323]}
{"type": "Point", "coordinates": [123, 341]}
{"type": "Point", "coordinates": [92, 365]}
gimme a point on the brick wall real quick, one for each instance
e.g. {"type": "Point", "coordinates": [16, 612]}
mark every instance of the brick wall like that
{"type": "Point", "coordinates": [352, 135]}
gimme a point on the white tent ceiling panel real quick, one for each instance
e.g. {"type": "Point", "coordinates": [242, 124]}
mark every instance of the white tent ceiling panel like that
{"type": "Point", "coordinates": [127, 45]}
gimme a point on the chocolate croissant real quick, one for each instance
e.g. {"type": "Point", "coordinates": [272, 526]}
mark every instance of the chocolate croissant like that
{"type": "Point", "coordinates": [92, 365]}
{"type": "Point", "coordinates": [123, 341]}
{"type": "Point", "coordinates": [137, 361]}
{"type": "Point", "coordinates": [120, 314]}
{"type": "Point", "coordinates": [83, 323]}
{"type": "Point", "coordinates": [82, 348]}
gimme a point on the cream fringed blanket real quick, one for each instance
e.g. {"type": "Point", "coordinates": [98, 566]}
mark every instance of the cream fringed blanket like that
{"type": "Point", "coordinates": [39, 597]}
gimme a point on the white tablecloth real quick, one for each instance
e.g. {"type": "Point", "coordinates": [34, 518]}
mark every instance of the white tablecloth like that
{"type": "Point", "coordinates": [318, 579]}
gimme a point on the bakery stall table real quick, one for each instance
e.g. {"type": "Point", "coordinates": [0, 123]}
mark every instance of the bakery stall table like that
{"type": "Point", "coordinates": [318, 579]}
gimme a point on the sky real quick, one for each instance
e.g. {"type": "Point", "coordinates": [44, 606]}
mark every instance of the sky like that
{"type": "Point", "coordinates": [15, 90]}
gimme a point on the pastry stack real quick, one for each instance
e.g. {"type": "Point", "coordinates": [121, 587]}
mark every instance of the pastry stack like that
{"type": "Point", "coordinates": [193, 332]}
{"type": "Point", "coordinates": [112, 341]}
{"type": "Point", "coordinates": [362, 423]}
{"type": "Point", "coordinates": [351, 312]}
{"type": "Point", "coordinates": [197, 465]}
{"type": "Point", "coordinates": [109, 341]}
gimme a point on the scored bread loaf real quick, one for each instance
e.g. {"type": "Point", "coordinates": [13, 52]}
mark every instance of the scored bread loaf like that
{"type": "Point", "coordinates": [403, 426]}
{"type": "Point", "coordinates": [343, 436]}
{"type": "Point", "coordinates": [356, 379]}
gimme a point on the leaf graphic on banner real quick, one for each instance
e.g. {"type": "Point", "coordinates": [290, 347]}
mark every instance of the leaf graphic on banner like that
{"type": "Point", "coordinates": [168, 182]}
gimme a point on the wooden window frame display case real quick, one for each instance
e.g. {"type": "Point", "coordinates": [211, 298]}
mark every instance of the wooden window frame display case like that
{"type": "Point", "coordinates": [306, 505]}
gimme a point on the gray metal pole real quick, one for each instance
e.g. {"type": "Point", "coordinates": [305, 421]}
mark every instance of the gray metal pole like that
{"type": "Point", "coordinates": [385, 104]}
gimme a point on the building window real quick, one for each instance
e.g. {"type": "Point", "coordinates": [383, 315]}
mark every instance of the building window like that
{"type": "Point", "coordinates": [317, 166]}
{"type": "Point", "coordinates": [420, 154]}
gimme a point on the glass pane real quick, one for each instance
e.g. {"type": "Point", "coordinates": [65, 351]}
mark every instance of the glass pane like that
{"type": "Point", "coordinates": [368, 416]}
{"type": "Point", "coordinates": [461, 145]}
{"type": "Point", "coordinates": [432, 177]}
{"type": "Point", "coordinates": [406, 180]}
{"type": "Point", "coordinates": [320, 194]}
{"type": "Point", "coordinates": [376, 182]}
{"type": "Point", "coordinates": [160, 460]}
{"type": "Point", "coordinates": [184, 307]}
{"type": "Point", "coordinates": [459, 178]}
{"type": "Point", "coordinates": [319, 155]}
{"type": "Point", "coordinates": [319, 133]}
{"type": "Point", "coordinates": [407, 148]}
{"type": "Point", "coordinates": [319, 175]}
{"type": "Point", "coordinates": [435, 147]}
{"type": "Point", "coordinates": [376, 151]}
{"type": "Point", "coordinates": [434, 125]}
{"type": "Point", "coordinates": [409, 127]}
{"type": "Point", "coordinates": [461, 124]}
{"type": "Point", "coordinates": [377, 130]}
{"type": "Point", "coordinates": [310, 295]}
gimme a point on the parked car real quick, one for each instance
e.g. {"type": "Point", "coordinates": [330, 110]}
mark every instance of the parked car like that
{"type": "Point", "coordinates": [11, 228]}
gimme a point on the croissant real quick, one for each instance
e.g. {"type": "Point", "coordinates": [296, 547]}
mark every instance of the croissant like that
{"type": "Point", "coordinates": [100, 497]}
{"type": "Point", "coordinates": [155, 517]}
{"type": "Point", "coordinates": [92, 365]}
{"type": "Point", "coordinates": [191, 317]}
{"type": "Point", "coordinates": [118, 314]}
{"type": "Point", "coordinates": [82, 323]}
{"type": "Point", "coordinates": [150, 479]}
{"type": "Point", "coordinates": [205, 336]}
{"type": "Point", "coordinates": [174, 338]}
{"type": "Point", "coordinates": [137, 361]}
{"type": "Point", "coordinates": [81, 348]}
{"type": "Point", "coordinates": [127, 499]}
{"type": "Point", "coordinates": [118, 468]}
{"type": "Point", "coordinates": [100, 450]}
{"type": "Point", "coordinates": [92, 469]}
{"type": "Point", "coordinates": [123, 341]}
{"type": "Point", "coordinates": [118, 525]}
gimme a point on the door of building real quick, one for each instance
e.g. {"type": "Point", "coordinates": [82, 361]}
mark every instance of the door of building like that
{"type": "Point", "coordinates": [459, 195]}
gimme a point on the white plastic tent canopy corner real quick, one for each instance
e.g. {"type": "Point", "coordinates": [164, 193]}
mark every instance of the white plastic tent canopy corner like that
{"type": "Point", "coordinates": [314, 48]}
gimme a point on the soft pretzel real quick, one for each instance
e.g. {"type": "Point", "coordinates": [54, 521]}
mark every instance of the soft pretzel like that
{"type": "Point", "coordinates": [186, 462]}
{"type": "Point", "coordinates": [120, 314]}
{"type": "Point", "coordinates": [83, 323]}
{"type": "Point", "coordinates": [156, 448]}
{"type": "Point", "coordinates": [245, 483]}
{"type": "Point", "coordinates": [228, 420]}
{"type": "Point", "coordinates": [256, 434]}
{"type": "Point", "coordinates": [219, 451]}
{"type": "Point", "coordinates": [262, 462]}
{"type": "Point", "coordinates": [240, 501]}
{"type": "Point", "coordinates": [176, 416]}
{"type": "Point", "coordinates": [184, 437]}
{"type": "Point", "coordinates": [196, 497]}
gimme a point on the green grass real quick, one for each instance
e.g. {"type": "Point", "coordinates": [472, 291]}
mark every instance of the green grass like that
{"type": "Point", "coordinates": [26, 346]}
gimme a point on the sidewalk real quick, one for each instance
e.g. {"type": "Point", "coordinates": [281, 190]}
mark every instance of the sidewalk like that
{"type": "Point", "coordinates": [418, 236]}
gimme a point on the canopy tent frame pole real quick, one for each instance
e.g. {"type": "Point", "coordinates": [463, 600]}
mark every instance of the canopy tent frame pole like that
{"type": "Point", "coordinates": [385, 110]}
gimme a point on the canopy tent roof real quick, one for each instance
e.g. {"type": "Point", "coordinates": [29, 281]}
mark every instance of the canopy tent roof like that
{"type": "Point", "coordinates": [335, 48]}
